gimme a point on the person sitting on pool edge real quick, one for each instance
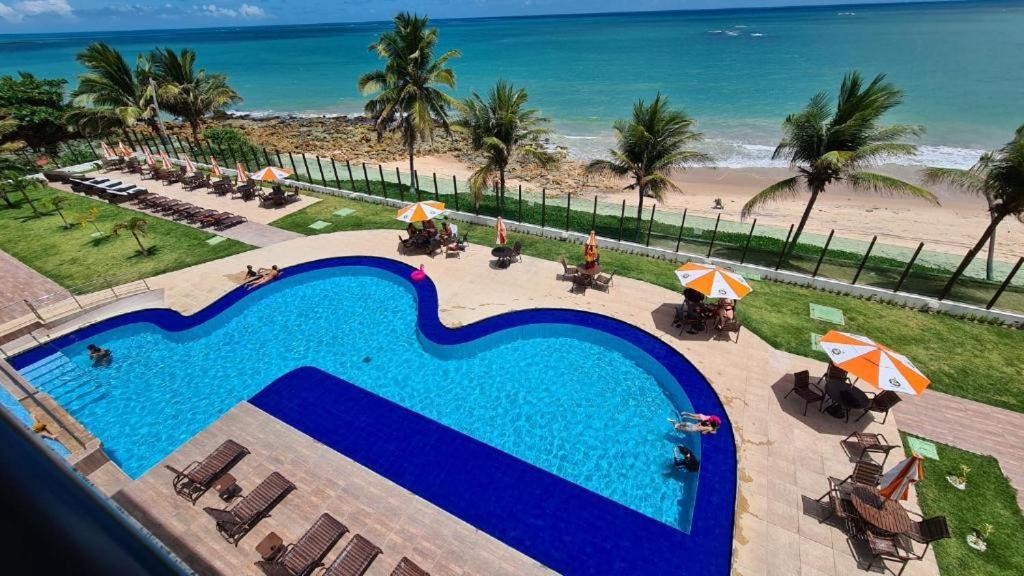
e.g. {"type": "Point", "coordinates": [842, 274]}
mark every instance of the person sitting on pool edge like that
{"type": "Point", "coordinates": [99, 356]}
{"type": "Point", "coordinates": [256, 275]}
{"type": "Point", "coordinates": [690, 422]}
{"type": "Point", "coordinates": [265, 277]}
{"type": "Point", "coordinates": [250, 274]}
{"type": "Point", "coordinates": [684, 458]}
{"type": "Point", "coordinates": [43, 431]}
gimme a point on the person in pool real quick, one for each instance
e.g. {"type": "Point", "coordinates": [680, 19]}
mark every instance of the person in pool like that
{"type": "Point", "coordinates": [266, 276]}
{"type": "Point", "coordinates": [691, 422]}
{"type": "Point", "coordinates": [99, 356]}
{"type": "Point", "coordinates": [684, 458]}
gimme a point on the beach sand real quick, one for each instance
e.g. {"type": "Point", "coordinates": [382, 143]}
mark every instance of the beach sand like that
{"type": "Point", "coordinates": [953, 227]}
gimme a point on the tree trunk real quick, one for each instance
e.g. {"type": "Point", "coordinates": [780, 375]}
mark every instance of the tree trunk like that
{"type": "Point", "coordinates": [141, 247]}
{"type": "Point", "coordinates": [7, 200]}
{"type": "Point", "coordinates": [410, 142]}
{"type": "Point", "coordinates": [30, 202]}
{"type": "Point", "coordinates": [61, 214]}
{"type": "Point", "coordinates": [989, 264]}
{"type": "Point", "coordinates": [971, 254]}
{"type": "Point", "coordinates": [501, 192]}
{"type": "Point", "coordinates": [639, 209]}
{"type": "Point", "coordinates": [803, 220]}
{"type": "Point", "coordinates": [194, 124]}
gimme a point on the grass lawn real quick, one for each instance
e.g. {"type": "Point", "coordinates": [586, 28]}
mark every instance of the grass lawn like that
{"type": "Point", "coordinates": [74, 258]}
{"type": "Point", "coordinates": [962, 358]}
{"type": "Point", "coordinates": [989, 498]}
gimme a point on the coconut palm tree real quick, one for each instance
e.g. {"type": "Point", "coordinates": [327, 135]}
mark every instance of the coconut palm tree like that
{"type": "Point", "coordinates": [503, 129]}
{"type": "Point", "coordinates": [112, 95]}
{"type": "Point", "coordinates": [999, 176]}
{"type": "Point", "coordinates": [186, 92]}
{"type": "Point", "coordinates": [407, 93]}
{"type": "Point", "coordinates": [648, 146]}
{"type": "Point", "coordinates": [12, 182]}
{"type": "Point", "coordinates": [56, 203]}
{"type": "Point", "coordinates": [828, 145]}
{"type": "Point", "coordinates": [136, 226]}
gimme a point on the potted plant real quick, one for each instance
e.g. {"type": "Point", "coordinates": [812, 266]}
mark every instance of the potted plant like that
{"type": "Point", "coordinates": [979, 538]}
{"type": "Point", "coordinates": [959, 481]}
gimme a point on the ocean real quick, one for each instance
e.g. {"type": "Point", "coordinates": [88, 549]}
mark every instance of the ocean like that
{"type": "Point", "coordinates": [738, 72]}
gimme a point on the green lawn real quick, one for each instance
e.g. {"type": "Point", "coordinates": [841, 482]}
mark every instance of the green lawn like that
{"type": "Point", "coordinates": [989, 498]}
{"type": "Point", "coordinates": [967, 359]}
{"type": "Point", "coordinates": [74, 258]}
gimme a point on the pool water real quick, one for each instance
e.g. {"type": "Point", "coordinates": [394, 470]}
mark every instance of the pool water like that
{"type": "Point", "coordinates": [579, 403]}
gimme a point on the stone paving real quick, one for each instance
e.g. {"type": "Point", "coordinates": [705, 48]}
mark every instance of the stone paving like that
{"type": "Point", "coordinates": [399, 522]}
{"type": "Point", "coordinates": [19, 282]}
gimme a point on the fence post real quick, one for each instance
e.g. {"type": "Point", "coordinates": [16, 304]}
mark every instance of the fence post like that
{"type": "Point", "coordinates": [180, 146]}
{"type": "Point", "coordinates": [334, 168]}
{"type": "Point", "coordinates": [593, 215]}
{"type": "Point", "coordinates": [437, 195]}
{"type": "Point", "coordinates": [784, 246]}
{"type": "Point", "coordinates": [366, 177]}
{"type": "Point", "coordinates": [650, 226]}
{"type": "Point", "coordinates": [568, 210]}
{"type": "Point", "coordinates": [822, 255]}
{"type": "Point", "coordinates": [455, 187]}
{"type": "Point", "coordinates": [351, 180]}
{"type": "Point", "coordinates": [622, 217]}
{"type": "Point", "coordinates": [519, 215]}
{"type": "Point", "coordinates": [321, 168]}
{"type": "Point", "coordinates": [864, 260]}
{"type": "Point", "coordinates": [906, 271]}
{"type": "Point", "coordinates": [543, 205]}
{"type": "Point", "coordinates": [384, 185]}
{"type": "Point", "coordinates": [679, 238]}
{"type": "Point", "coordinates": [747, 244]}
{"type": "Point", "coordinates": [266, 156]}
{"type": "Point", "coordinates": [278, 154]}
{"type": "Point", "coordinates": [295, 167]}
{"type": "Point", "coordinates": [714, 235]}
{"type": "Point", "coordinates": [398, 175]}
{"type": "Point", "coordinates": [1005, 283]}
{"type": "Point", "coordinates": [305, 163]}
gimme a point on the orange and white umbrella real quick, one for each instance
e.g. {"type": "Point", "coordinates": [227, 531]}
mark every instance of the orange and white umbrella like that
{"type": "Point", "coordinates": [190, 168]}
{"type": "Point", "coordinates": [272, 173]}
{"type": "Point", "coordinates": [125, 151]}
{"type": "Point", "coordinates": [215, 168]}
{"type": "Point", "coordinates": [873, 363]}
{"type": "Point", "coordinates": [895, 484]}
{"type": "Point", "coordinates": [502, 232]}
{"type": "Point", "coordinates": [107, 152]}
{"type": "Point", "coordinates": [420, 211]}
{"type": "Point", "coordinates": [713, 281]}
{"type": "Point", "coordinates": [149, 159]}
{"type": "Point", "coordinates": [240, 176]}
{"type": "Point", "coordinates": [166, 160]}
{"type": "Point", "coordinates": [590, 249]}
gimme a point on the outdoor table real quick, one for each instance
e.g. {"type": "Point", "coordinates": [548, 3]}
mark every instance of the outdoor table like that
{"type": "Point", "coordinates": [503, 254]}
{"type": "Point", "coordinates": [227, 487]}
{"type": "Point", "coordinates": [845, 397]}
{"type": "Point", "coordinates": [877, 510]}
{"type": "Point", "coordinates": [270, 546]}
{"type": "Point", "coordinates": [588, 274]}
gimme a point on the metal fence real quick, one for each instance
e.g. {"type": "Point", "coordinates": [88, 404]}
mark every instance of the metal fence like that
{"type": "Point", "coordinates": [855, 262]}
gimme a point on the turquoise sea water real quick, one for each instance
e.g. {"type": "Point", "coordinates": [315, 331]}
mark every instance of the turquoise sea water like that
{"type": "Point", "coordinates": [739, 72]}
{"type": "Point", "coordinates": [581, 404]}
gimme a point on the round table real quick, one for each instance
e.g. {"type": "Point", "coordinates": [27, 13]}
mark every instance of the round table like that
{"type": "Point", "coordinates": [879, 511]}
{"type": "Point", "coordinates": [503, 254]}
{"type": "Point", "coordinates": [845, 397]}
{"type": "Point", "coordinates": [593, 271]}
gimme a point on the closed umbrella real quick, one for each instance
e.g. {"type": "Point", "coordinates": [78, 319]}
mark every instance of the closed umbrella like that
{"type": "Point", "coordinates": [149, 159]}
{"type": "Point", "coordinates": [272, 174]}
{"type": "Point", "coordinates": [125, 151]}
{"type": "Point", "coordinates": [215, 168]}
{"type": "Point", "coordinates": [240, 176]}
{"type": "Point", "coordinates": [190, 168]}
{"type": "Point", "coordinates": [590, 249]}
{"type": "Point", "coordinates": [873, 363]}
{"type": "Point", "coordinates": [420, 211]}
{"type": "Point", "coordinates": [895, 484]}
{"type": "Point", "coordinates": [713, 281]}
{"type": "Point", "coordinates": [502, 232]}
{"type": "Point", "coordinates": [107, 152]}
{"type": "Point", "coordinates": [166, 160]}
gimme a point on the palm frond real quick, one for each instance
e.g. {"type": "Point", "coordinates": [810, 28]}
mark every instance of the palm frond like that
{"type": "Point", "coordinates": [882, 184]}
{"type": "Point", "coordinates": [781, 190]}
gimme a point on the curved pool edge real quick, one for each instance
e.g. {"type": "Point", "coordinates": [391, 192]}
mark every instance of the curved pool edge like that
{"type": "Point", "coordinates": [714, 506]}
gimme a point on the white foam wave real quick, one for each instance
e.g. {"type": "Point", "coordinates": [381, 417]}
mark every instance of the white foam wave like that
{"type": "Point", "coordinates": [260, 114]}
{"type": "Point", "coordinates": [731, 33]}
{"type": "Point", "coordinates": [756, 35]}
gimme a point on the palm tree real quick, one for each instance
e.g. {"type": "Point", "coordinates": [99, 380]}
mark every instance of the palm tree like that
{"type": "Point", "coordinates": [137, 227]}
{"type": "Point", "coordinates": [999, 176]}
{"type": "Point", "coordinates": [828, 146]}
{"type": "Point", "coordinates": [12, 182]}
{"type": "Point", "coordinates": [113, 95]}
{"type": "Point", "coordinates": [90, 217]}
{"type": "Point", "coordinates": [187, 93]}
{"type": "Point", "coordinates": [649, 146]}
{"type": "Point", "coordinates": [503, 129]}
{"type": "Point", "coordinates": [406, 92]}
{"type": "Point", "coordinates": [56, 203]}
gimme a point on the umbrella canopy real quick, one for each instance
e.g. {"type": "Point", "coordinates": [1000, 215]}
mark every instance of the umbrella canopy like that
{"type": "Point", "coordinates": [713, 281]}
{"type": "Point", "coordinates": [420, 211]}
{"type": "Point", "coordinates": [107, 152]}
{"type": "Point", "coordinates": [215, 168]}
{"type": "Point", "coordinates": [240, 176]}
{"type": "Point", "coordinates": [502, 232]}
{"type": "Point", "coordinates": [873, 363]}
{"type": "Point", "coordinates": [895, 483]}
{"type": "Point", "coordinates": [149, 159]}
{"type": "Point", "coordinates": [125, 151]}
{"type": "Point", "coordinates": [590, 249]}
{"type": "Point", "coordinates": [189, 166]}
{"type": "Point", "coordinates": [166, 160]}
{"type": "Point", "coordinates": [272, 173]}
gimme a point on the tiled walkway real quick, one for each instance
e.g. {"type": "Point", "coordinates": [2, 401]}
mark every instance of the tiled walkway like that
{"type": "Point", "coordinates": [259, 235]}
{"type": "Point", "coordinates": [971, 426]}
{"type": "Point", "coordinates": [19, 282]}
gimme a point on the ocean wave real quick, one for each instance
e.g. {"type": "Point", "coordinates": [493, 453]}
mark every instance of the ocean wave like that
{"type": "Point", "coordinates": [263, 114]}
{"type": "Point", "coordinates": [756, 35]}
{"type": "Point", "coordinates": [731, 33]}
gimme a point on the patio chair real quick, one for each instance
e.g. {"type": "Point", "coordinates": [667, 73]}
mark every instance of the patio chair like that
{"type": "Point", "coordinates": [195, 479]}
{"type": "Point", "coordinates": [307, 554]}
{"type": "Point", "coordinates": [865, 473]}
{"type": "Point", "coordinates": [237, 521]}
{"type": "Point", "coordinates": [834, 372]}
{"type": "Point", "coordinates": [604, 281]}
{"type": "Point", "coordinates": [882, 403]}
{"type": "Point", "coordinates": [885, 548]}
{"type": "Point", "coordinates": [927, 531]}
{"type": "Point", "coordinates": [568, 272]}
{"type": "Point", "coordinates": [807, 392]}
{"type": "Point", "coordinates": [355, 558]}
{"type": "Point", "coordinates": [517, 252]}
{"type": "Point", "coordinates": [869, 443]}
{"type": "Point", "coordinates": [407, 567]}
{"type": "Point", "coordinates": [732, 325]}
{"type": "Point", "coordinates": [840, 507]}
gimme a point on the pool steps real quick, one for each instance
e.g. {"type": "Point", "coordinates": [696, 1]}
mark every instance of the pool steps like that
{"type": "Point", "coordinates": [61, 378]}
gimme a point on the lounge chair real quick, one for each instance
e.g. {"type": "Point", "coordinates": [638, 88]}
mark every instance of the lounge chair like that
{"type": "Point", "coordinates": [199, 181]}
{"type": "Point", "coordinates": [301, 558]}
{"type": "Point", "coordinates": [355, 558]}
{"type": "Point", "coordinates": [882, 403]}
{"type": "Point", "coordinates": [407, 567]}
{"type": "Point", "coordinates": [229, 222]}
{"type": "Point", "coordinates": [195, 479]}
{"type": "Point", "coordinates": [237, 521]}
{"type": "Point", "coordinates": [57, 176]}
{"type": "Point", "coordinates": [807, 392]}
{"type": "Point", "coordinates": [869, 443]}
{"type": "Point", "coordinates": [111, 163]}
{"type": "Point", "coordinates": [214, 219]}
{"type": "Point", "coordinates": [173, 175]}
{"type": "Point", "coordinates": [186, 213]}
{"type": "Point", "coordinates": [198, 217]}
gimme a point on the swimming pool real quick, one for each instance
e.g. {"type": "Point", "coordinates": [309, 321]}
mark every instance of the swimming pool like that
{"type": "Point", "coordinates": [585, 404]}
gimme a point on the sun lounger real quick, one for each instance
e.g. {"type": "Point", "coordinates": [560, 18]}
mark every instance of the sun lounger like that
{"type": "Point", "coordinates": [188, 212]}
{"type": "Point", "coordinates": [195, 479]}
{"type": "Point", "coordinates": [197, 217]}
{"type": "Point", "coordinates": [215, 219]}
{"type": "Point", "coordinates": [355, 558]}
{"type": "Point", "coordinates": [170, 206]}
{"type": "Point", "coordinates": [234, 523]}
{"type": "Point", "coordinates": [111, 163]}
{"type": "Point", "coordinates": [407, 567]}
{"type": "Point", "coordinates": [197, 182]}
{"type": "Point", "coordinates": [171, 176]}
{"type": "Point", "coordinates": [57, 176]}
{"type": "Point", "coordinates": [301, 558]}
{"type": "Point", "coordinates": [229, 222]}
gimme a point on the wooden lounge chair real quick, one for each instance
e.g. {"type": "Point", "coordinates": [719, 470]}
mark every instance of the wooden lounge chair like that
{"type": "Point", "coordinates": [355, 558]}
{"type": "Point", "coordinates": [195, 479]}
{"type": "Point", "coordinates": [199, 181]}
{"type": "Point", "coordinates": [214, 219]}
{"type": "Point", "coordinates": [869, 443]}
{"type": "Point", "coordinates": [301, 558]}
{"type": "Point", "coordinates": [407, 567]}
{"type": "Point", "coordinates": [881, 403]}
{"type": "Point", "coordinates": [173, 175]}
{"type": "Point", "coordinates": [229, 222]}
{"type": "Point", "coordinates": [186, 213]}
{"type": "Point", "coordinates": [237, 521]}
{"type": "Point", "coordinates": [198, 217]}
{"type": "Point", "coordinates": [807, 392]}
